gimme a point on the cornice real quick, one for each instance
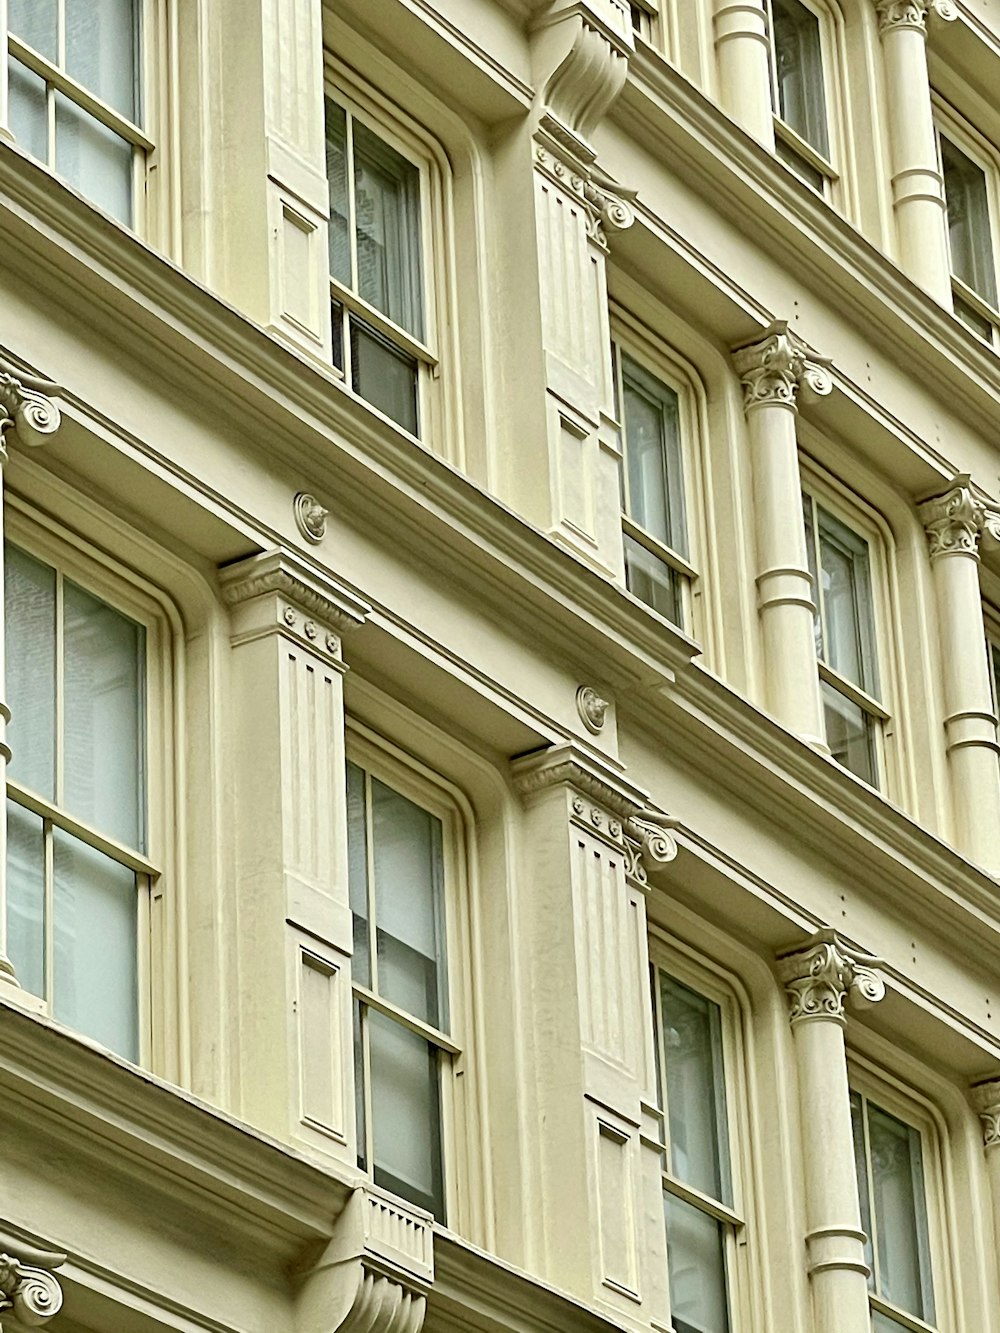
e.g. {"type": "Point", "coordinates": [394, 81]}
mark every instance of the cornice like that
{"type": "Point", "coordinates": [311, 591]}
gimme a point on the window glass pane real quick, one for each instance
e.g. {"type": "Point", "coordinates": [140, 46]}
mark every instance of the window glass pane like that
{"type": "Point", "coordinates": [900, 1214]}
{"type": "Point", "coordinates": [384, 376]}
{"type": "Point", "coordinates": [31, 670]}
{"type": "Point", "coordinates": [799, 61]}
{"type": "Point", "coordinates": [357, 873]}
{"type": "Point", "coordinates": [653, 456]}
{"type": "Point", "coordinates": [34, 21]}
{"type": "Point", "coordinates": [969, 235]}
{"type": "Point", "coordinates": [95, 911]}
{"type": "Point", "coordinates": [653, 581]}
{"type": "Point", "coordinates": [696, 1098]}
{"type": "Point", "coordinates": [406, 1113]}
{"type": "Point", "coordinates": [359, 1089]}
{"type": "Point", "coordinates": [101, 50]}
{"type": "Point", "coordinates": [26, 110]}
{"type": "Point", "coordinates": [409, 907]}
{"type": "Point", "coordinates": [336, 175]}
{"type": "Point", "coordinates": [803, 169]}
{"type": "Point", "coordinates": [387, 218]}
{"type": "Point", "coordinates": [881, 1323]}
{"type": "Point", "coordinates": [103, 723]}
{"type": "Point", "coordinates": [26, 897]}
{"type": "Point", "coordinates": [847, 602]}
{"type": "Point", "coordinates": [861, 1168]}
{"type": "Point", "coordinates": [971, 318]}
{"type": "Point", "coordinates": [337, 331]}
{"type": "Point", "coordinates": [696, 1264]}
{"type": "Point", "coordinates": [94, 160]}
{"type": "Point", "coordinates": [850, 734]}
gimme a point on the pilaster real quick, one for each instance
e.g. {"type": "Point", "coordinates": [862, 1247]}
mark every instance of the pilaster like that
{"type": "Point", "coordinates": [774, 370]}
{"type": "Point", "coordinates": [291, 849]}
{"type": "Point", "coordinates": [820, 978]}
{"type": "Point", "coordinates": [917, 184]}
{"type": "Point", "coordinates": [955, 523]}
{"type": "Point", "coordinates": [743, 54]}
{"type": "Point", "coordinates": [986, 1103]}
{"type": "Point", "coordinates": [591, 841]}
{"type": "Point", "coordinates": [29, 1290]}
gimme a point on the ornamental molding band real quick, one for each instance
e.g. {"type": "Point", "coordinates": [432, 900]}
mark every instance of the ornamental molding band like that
{"type": "Point", "coordinates": [606, 205]}
{"type": "Point", "coordinates": [26, 407]}
{"type": "Point", "coordinates": [820, 976]}
{"type": "Point", "coordinates": [29, 1290]}
{"type": "Point", "coordinates": [956, 520]}
{"type": "Point", "coordinates": [773, 368]}
{"type": "Point", "coordinates": [986, 1102]}
{"type": "Point", "coordinates": [893, 14]}
{"type": "Point", "coordinates": [580, 52]}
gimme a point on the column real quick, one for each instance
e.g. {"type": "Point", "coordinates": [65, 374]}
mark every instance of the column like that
{"type": "Point", "coordinates": [28, 413]}
{"type": "Point", "coordinates": [986, 1101]}
{"type": "Point", "coordinates": [597, 1135]}
{"type": "Point", "coordinates": [266, 143]}
{"type": "Point", "coordinates": [917, 185]}
{"type": "Point", "coordinates": [293, 924]}
{"type": "Point", "coordinates": [742, 50]}
{"type": "Point", "coordinates": [773, 371]}
{"type": "Point", "coordinates": [955, 522]}
{"type": "Point", "coordinates": [818, 978]}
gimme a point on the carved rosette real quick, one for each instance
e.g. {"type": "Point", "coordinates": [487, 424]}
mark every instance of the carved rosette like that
{"type": "Point", "coordinates": [894, 14]}
{"type": "Point", "coordinates": [25, 407]}
{"type": "Point", "coordinates": [773, 369]}
{"type": "Point", "coordinates": [986, 1101]}
{"type": "Point", "coordinates": [28, 1288]}
{"type": "Point", "coordinates": [955, 521]}
{"type": "Point", "coordinates": [820, 977]}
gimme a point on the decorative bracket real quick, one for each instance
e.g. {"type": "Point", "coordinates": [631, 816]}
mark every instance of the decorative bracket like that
{"type": "Point", "coordinates": [26, 408]}
{"type": "Point", "coordinates": [821, 975]}
{"type": "Point", "coordinates": [893, 14]}
{"type": "Point", "coordinates": [580, 53]}
{"type": "Point", "coordinates": [28, 1287]}
{"type": "Point", "coordinates": [774, 367]}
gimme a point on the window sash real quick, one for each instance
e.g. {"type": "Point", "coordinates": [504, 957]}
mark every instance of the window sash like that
{"type": "Point", "coordinates": [845, 644]}
{"type": "Point", "coordinates": [798, 88]}
{"type": "Point", "coordinates": [970, 231]}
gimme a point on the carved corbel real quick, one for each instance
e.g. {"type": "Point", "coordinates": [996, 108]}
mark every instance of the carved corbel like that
{"type": "Point", "coordinates": [822, 975]}
{"type": "Point", "coordinates": [580, 52]}
{"type": "Point", "coordinates": [29, 1289]}
{"type": "Point", "coordinates": [955, 521]}
{"type": "Point", "coordinates": [986, 1102]}
{"type": "Point", "coordinates": [774, 367]}
{"type": "Point", "coordinates": [26, 408]}
{"type": "Point", "coordinates": [894, 14]}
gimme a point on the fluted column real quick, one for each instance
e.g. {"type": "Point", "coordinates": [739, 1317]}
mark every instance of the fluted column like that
{"type": "Point", "coordinates": [917, 185]}
{"type": "Point", "coordinates": [741, 48]}
{"type": "Point", "coordinates": [955, 522]}
{"type": "Point", "coordinates": [772, 372]}
{"type": "Point", "coordinates": [819, 978]}
{"type": "Point", "coordinates": [26, 410]}
{"type": "Point", "coordinates": [986, 1101]}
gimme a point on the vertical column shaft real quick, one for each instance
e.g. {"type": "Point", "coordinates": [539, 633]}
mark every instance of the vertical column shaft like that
{"type": "Point", "coordinates": [743, 55]}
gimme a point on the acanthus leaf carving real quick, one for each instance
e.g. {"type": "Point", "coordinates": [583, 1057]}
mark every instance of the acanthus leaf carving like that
{"type": "Point", "coordinates": [955, 520]}
{"type": "Point", "coordinates": [894, 14]}
{"type": "Point", "coordinates": [820, 977]}
{"type": "Point", "coordinates": [774, 367]}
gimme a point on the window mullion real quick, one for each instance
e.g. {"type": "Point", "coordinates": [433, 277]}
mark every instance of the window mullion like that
{"type": "Point", "coordinates": [48, 909]}
{"type": "Point", "coordinates": [366, 1078]}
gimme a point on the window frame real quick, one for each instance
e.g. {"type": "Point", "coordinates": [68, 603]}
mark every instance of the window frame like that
{"type": "Point", "coordinates": [114, 583]}
{"type": "Point", "coordinates": [700, 974]}
{"type": "Point", "coordinates": [784, 134]}
{"type": "Point", "coordinates": [380, 758]}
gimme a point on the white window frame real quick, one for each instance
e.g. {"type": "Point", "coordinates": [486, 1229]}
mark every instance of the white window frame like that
{"type": "Point", "coordinates": [783, 132]}
{"type": "Point", "coordinates": [702, 975]}
{"type": "Point", "coordinates": [126, 592]}
{"type": "Point", "coordinates": [428, 789]}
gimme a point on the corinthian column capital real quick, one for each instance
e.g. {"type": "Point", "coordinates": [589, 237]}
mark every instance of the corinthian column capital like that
{"type": "Point", "coordinates": [955, 520]}
{"type": "Point", "coordinates": [986, 1101]}
{"type": "Point", "coordinates": [894, 14]}
{"type": "Point", "coordinates": [823, 974]}
{"type": "Point", "coordinates": [773, 368]}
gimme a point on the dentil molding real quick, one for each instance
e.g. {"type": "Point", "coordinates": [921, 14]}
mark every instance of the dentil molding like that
{"type": "Point", "coordinates": [893, 14]}
{"type": "Point", "coordinates": [773, 368]}
{"type": "Point", "coordinates": [825, 972]}
{"type": "Point", "coordinates": [28, 1288]}
{"type": "Point", "coordinates": [956, 520]}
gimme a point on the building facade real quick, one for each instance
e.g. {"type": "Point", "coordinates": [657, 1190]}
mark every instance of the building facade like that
{"type": "Point", "coordinates": [501, 512]}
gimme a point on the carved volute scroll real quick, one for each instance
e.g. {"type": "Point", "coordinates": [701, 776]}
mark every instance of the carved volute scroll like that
{"type": "Point", "coordinates": [28, 1287]}
{"type": "Point", "coordinates": [986, 1101]}
{"type": "Point", "coordinates": [825, 973]}
{"type": "Point", "coordinates": [893, 14]}
{"type": "Point", "coordinates": [26, 408]}
{"type": "Point", "coordinates": [773, 369]}
{"type": "Point", "coordinates": [956, 520]}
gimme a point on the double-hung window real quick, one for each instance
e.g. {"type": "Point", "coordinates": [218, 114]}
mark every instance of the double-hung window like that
{"type": "Point", "coordinates": [75, 95]}
{"type": "Point", "coordinates": [78, 877]}
{"type": "Point", "coordinates": [399, 857]}
{"type": "Point", "coordinates": [654, 526]}
{"type": "Point", "coordinates": [702, 1223]}
{"type": "Point", "coordinates": [889, 1161]}
{"type": "Point", "coordinates": [798, 91]}
{"type": "Point", "coordinates": [840, 564]}
{"type": "Point", "coordinates": [377, 281]}
{"type": "Point", "coordinates": [967, 191]}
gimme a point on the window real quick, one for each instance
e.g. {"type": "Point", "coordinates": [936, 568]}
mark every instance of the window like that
{"type": "Point", "coordinates": [698, 1198]}
{"type": "Point", "coordinates": [75, 96]}
{"type": "Point", "coordinates": [376, 267]}
{"type": "Point", "coordinates": [798, 93]}
{"type": "Point", "coordinates": [643, 14]}
{"type": "Point", "coordinates": [840, 564]}
{"type": "Point", "coordinates": [400, 852]}
{"type": "Point", "coordinates": [888, 1158]}
{"type": "Point", "coordinates": [78, 878]}
{"type": "Point", "coordinates": [970, 239]}
{"type": "Point", "coordinates": [654, 526]}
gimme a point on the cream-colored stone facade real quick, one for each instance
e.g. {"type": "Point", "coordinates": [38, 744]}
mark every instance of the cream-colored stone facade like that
{"type": "Point", "coordinates": [502, 502]}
